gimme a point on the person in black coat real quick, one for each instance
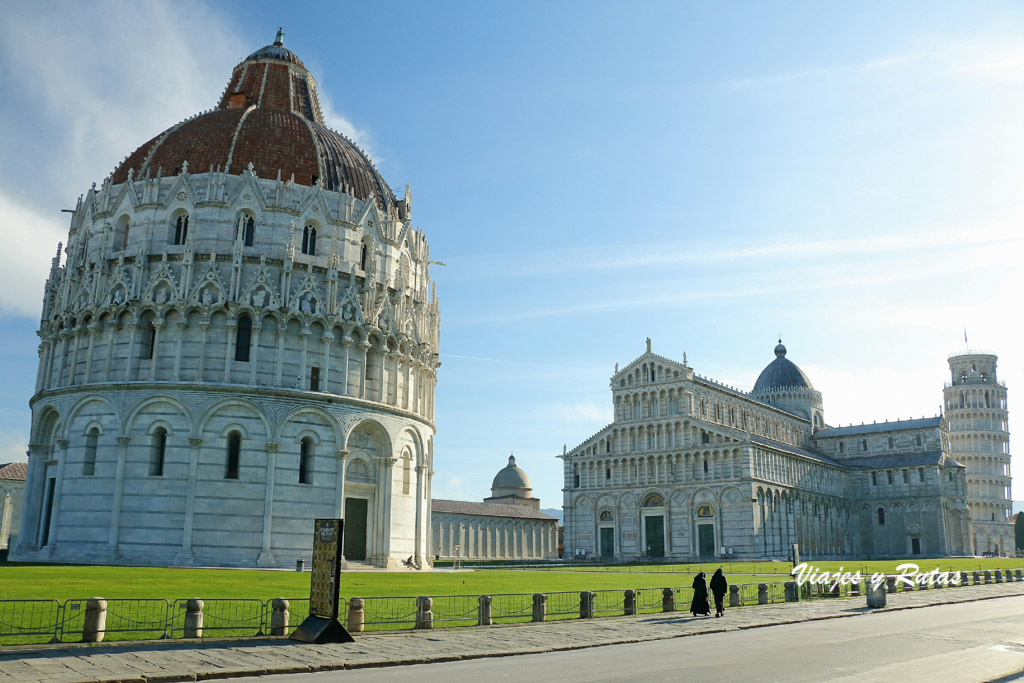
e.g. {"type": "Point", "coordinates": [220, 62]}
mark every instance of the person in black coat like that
{"type": "Point", "coordinates": [700, 604]}
{"type": "Point", "coordinates": [719, 587]}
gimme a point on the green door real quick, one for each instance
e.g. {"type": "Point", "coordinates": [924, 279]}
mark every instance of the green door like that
{"type": "Point", "coordinates": [706, 539]}
{"type": "Point", "coordinates": [354, 547]}
{"type": "Point", "coordinates": [607, 550]}
{"type": "Point", "coordinates": [654, 531]}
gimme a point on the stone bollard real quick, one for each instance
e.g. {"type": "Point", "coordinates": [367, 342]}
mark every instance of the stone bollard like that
{"type": "Point", "coordinates": [668, 600]}
{"type": "Point", "coordinates": [792, 592]}
{"type": "Point", "coordinates": [356, 615]}
{"type": "Point", "coordinates": [999, 576]}
{"type": "Point", "coordinates": [876, 596]}
{"type": "Point", "coordinates": [1018, 575]}
{"type": "Point", "coordinates": [629, 603]}
{"type": "Point", "coordinates": [977, 578]}
{"type": "Point", "coordinates": [890, 584]}
{"type": "Point", "coordinates": [1008, 575]}
{"type": "Point", "coordinates": [193, 627]}
{"type": "Point", "coordinates": [484, 611]}
{"type": "Point", "coordinates": [855, 589]}
{"type": "Point", "coordinates": [964, 579]}
{"type": "Point", "coordinates": [988, 577]}
{"type": "Point", "coordinates": [586, 605]}
{"type": "Point", "coordinates": [94, 627]}
{"type": "Point", "coordinates": [424, 612]}
{"type": "Point", "coordinates": [762, 593]}
{"type": "Point", "coordinates": [279, 617]}
{"type": "Point", "coordinates": [734, 596]}
{"type": "Point", "coordinates": [540, 606]}
{"type": "Point", "coordinates": [922, 585]}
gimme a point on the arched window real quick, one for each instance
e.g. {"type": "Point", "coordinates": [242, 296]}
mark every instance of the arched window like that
{"type": "Point", "coordinates": [148, 337]}
{"type": "Point", "coordinates": [243, 339]}
{"type": "Point", "coordinates": [314, 378]}
{"type": "Point", "coordinates": [246, 230]}
{"type": "Point", "coordinates": [654, 501]}
{"type": "Point", "coordinates": [234, 455]}
{"type": "Point", "coordinates": [91, 440]}
{"type": "Point", "coordinates": [157, 450]}
{"type": "Point", "coordinates": [180, 233]}
{"type": "Point", "coordinates": [881, 516]}
{"type": "Point", "coordinates": [306, 461]}
{"type": "Point", "coordinates": [362, 257]}
{"type": "Point", "coordinates": [842, 447]}
{"type": "Point", "coordinates": [406, 473]}
{"type": "Point", "coordinates": [309, 240]}
{"type": "Point", "coordinates": [606, 516]}
{"type": "Point", "coordinates": [121, 233]}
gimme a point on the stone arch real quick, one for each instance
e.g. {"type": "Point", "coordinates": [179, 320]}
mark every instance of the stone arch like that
{"type": "Point", "coordinates": [76, 408]}
{"type": "Point", "coordinates": [135, 410]}
{"type": "Point", "coordinates": [374, 429]}
{"type": "Point", "coordinates": [204, 418]}
{"type": "Point", "coordinates": [332, 422]}
{"type": "Point", "coordinates": [47, 426]}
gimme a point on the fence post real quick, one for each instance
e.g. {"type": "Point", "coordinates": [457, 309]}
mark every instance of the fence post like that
{"type": "Point", "coordinates": [668, 600]}
{"type": "Point", "coordinates": [94, 627]}
{"type": "Point", "coordinates": [356, 615]}
{"type": "Point", "coordinates": [762, 593]}
{"type": "Point", "coordinates": [792, 592]}
{"type": "Point", "coordinates": [876, 596]}
{"type": "Point", "coordinates": [193, 627]}
{"type": "Point", "coordinates": [629, 603]}
{"type": "Point", "coordinates": [586, 605]}
{"type": "Point", "coordinates": [540, 606]}
{"type": "Point", "coordinates": [734, 596]}
{"type": "Point", "coordinates": [484, 611]}
{"type": "Point", "coordinates": [988, 577]}
{"type": "Point", "coordinates": [424, 612]}
{"type": "Point", "coordinates": [890, 584]}
{"type": "Point", "coordinates": [279, 617]}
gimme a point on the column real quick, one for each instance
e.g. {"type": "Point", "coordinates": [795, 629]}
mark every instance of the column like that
{"type": "Point", "coordinates": [35, 486]}
{"type": "Point", "coordinates": [325, 376]}
{"type": "Point", "coordinates": [204, 326]}
{"type": "Point", "coordinates": [266, 558]}
{"type": "Point", "coordinates": [158, 326]}
{"type": "Point", "coordinates": [129, 366]}
{"type": "Point", "coordinates": [254, 352]}
{"type": "Point", "coordinates": [58, 486]}
{"type": "Point", "coordinates": [76, 337]}
{"type": "Point", "coordinates": [115, 508]}
{"type": "Point", "coordinates": [182, 324]}
{"type": "Point", "coordinates": [229, 332]}
{"type": "Point", "coordinates": [279, 354]}
{"type": "Point", "coordinates": [339, 484]}
{"type": "Point", "coordinates": [185, 554]}
{"type": "Point", "coordinates": [389, 464]}
{"type": "Point", "coordinates": [93, 327]}
{"type": "Point", "coordinates": [363, 372]}
{"type": "Point", "coordinates": [419, 513]}
{"type": "Point", "coordinates": [345, 343]}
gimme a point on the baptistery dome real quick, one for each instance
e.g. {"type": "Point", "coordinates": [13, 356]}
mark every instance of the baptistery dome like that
{"type": "Point", "coordinates": [241, 336]}
{"type": "Point", "coordinates": [781, 373]}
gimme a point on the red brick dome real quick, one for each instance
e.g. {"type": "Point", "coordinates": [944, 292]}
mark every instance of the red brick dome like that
{"type": "Point", "coordinates": [269, 116]}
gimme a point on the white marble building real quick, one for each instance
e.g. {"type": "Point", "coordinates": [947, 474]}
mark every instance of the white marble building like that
{"type": "Point", "coordinates": [12, 489]}
{"type": "Point", "coordinates": [243, 337]}
{"type": "Point", "coordinates": [508, 525]}
{"type": "Point", "coordinates": [691, 468]}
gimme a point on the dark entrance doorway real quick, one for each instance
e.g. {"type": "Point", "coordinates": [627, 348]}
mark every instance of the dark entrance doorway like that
{"type": "Point", "coordinates": [654, 532]}
{"type": "Point", "coordinates": [51, 484]}
{"type": "Point", "coordinates": [607, 549]}
{"type": "Point", "coordinates": [354, 547]}
{"type": "Point", "coordinates": [915, 546]}
{"type": "Point", "coordinates": [706, 540]}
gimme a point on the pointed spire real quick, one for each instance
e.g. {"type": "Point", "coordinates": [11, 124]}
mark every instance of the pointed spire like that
{"type": "Point", "coordinates": [279, 38]}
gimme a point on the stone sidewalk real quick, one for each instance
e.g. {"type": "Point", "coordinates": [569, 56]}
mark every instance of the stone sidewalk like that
{"type": "Point", "coordinates": [192, 660]}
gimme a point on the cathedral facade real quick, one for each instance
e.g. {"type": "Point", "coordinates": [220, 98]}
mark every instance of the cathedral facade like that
{"type": "Point", "coordinates": [243, 337]}
{"type": "Point", "coordinates": [693, 469]}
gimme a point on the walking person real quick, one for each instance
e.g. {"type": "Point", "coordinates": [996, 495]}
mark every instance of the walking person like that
{"type": "Point", "coordinates": [719, 587]}
{"type": "Point", "coordinates": [700, 604]}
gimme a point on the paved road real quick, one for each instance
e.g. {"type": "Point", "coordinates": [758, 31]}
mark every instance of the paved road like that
{"type": "Point", "coordinates": [975, 641]}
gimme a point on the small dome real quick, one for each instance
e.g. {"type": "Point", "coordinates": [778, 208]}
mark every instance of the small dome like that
{"type": "Point", "coordinates": [781, 373]}
{"type": "Point", "coordinates": [511, 477]}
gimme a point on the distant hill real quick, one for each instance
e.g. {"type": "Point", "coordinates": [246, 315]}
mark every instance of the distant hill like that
{"type": "Point", "coordinates": [554, 512]}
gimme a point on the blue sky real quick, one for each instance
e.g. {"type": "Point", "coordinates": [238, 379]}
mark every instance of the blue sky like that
{"type": "Point", "coordinates": [705, 174]}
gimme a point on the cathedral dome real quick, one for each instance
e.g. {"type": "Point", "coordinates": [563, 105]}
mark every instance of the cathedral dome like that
{"type": "Point", "coordinates": [781, 373]}
{"type": "Point", "coordinates": [511, 477]}
{"type": "Point", "coordinates": [269, 116]}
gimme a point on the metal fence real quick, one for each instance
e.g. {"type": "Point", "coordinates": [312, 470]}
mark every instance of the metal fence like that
{"type": "Point", "coordinates": [41, 621]}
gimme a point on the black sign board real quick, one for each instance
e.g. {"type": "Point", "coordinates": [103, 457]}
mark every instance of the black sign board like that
{"type": "Point", "coordinates": [322, 625]}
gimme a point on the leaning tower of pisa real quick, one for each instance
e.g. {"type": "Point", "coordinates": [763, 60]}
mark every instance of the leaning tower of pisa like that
{"type": "Point", "coordinates": [979, 438]}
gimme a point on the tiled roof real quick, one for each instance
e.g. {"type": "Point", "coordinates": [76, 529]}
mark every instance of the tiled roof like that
{"type": "Point", "coordinates": [14, 471]}
{"type": "Point", "coordinates": [879, 427]}
{"type": "Point", "coordinates": [465, 507]}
